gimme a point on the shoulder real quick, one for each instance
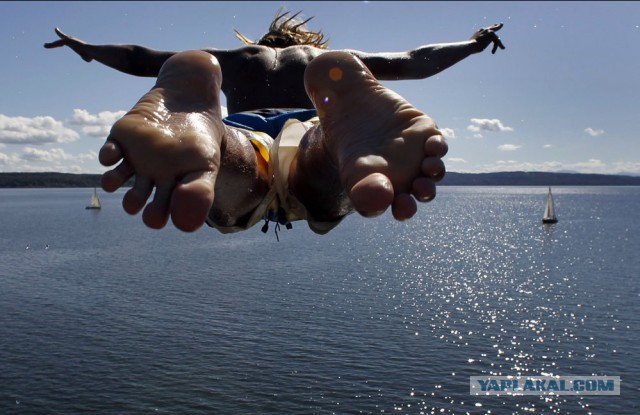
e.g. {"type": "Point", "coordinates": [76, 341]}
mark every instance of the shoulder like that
{"type": "Point", "coordinates": [306, 50]}
{"type": "Point", "coordinates": [302, 54]}
{"type": "Point", "coordinates": [259, 50]}
{"type": "Point", "coordinates": [250, 50]}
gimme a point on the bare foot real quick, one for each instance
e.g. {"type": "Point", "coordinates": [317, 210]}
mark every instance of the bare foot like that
{"type": "Point", "coordinates": [170, 140]}
{"type": "Point", "coordinates": [387, 152]}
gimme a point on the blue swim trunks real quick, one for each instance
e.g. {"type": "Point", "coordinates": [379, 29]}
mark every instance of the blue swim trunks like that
{"type": "Point", "coordinates": [269, 121]}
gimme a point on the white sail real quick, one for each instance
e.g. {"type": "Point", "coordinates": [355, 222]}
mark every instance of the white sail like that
{"type": "Point", "coordinates": [549, 211]}
{"type": "Point", "coordinates": [95, 201]}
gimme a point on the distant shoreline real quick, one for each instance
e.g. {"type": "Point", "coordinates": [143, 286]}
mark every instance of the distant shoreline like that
{"type": "Point", "coordinates": [65, 180]}
{"type": "Point", "coordinates": [537, 179]}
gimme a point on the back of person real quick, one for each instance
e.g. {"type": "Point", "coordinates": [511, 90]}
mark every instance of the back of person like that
{"type": "Point", "coordinates": [256, 76]}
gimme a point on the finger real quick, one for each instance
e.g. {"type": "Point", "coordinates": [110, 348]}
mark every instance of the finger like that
{"type": "Point", "coordinates": [54, 44]}
{"type": "Point", "coordinates": [59, 33]}
{"type": "Point", "coordinates": [497, 43]}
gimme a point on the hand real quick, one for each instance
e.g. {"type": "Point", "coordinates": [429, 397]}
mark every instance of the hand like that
{"type": "Point", "coordinates": [484, 37]}
{"type": "Point", "coordinates": [77, 45]}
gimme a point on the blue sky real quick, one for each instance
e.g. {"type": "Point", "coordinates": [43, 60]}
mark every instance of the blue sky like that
{"type": "Point", "coordinates": [563, 96]}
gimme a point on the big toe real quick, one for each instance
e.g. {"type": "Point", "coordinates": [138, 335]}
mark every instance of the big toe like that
{"type": "Point", "coordinates": [191, 201]}
{"type": "Point", "coordinates": [372, 195]}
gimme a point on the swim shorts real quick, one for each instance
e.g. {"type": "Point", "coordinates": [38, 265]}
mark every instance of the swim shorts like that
{"type": "Point", "coordinates": [269, 121]}
{"type": "Point", "coordinates": [276, 139]}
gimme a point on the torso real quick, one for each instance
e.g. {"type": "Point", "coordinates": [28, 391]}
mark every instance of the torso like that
{"type": "Point", "coordinates": [257, 77]}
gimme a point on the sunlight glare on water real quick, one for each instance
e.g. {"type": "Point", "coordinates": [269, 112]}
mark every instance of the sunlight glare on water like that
{"type": "Point", "coordinates": [503, 293]}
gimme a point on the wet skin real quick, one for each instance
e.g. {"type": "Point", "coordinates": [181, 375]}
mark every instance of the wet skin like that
{"type": "Point", "coordinates": [373, 150]}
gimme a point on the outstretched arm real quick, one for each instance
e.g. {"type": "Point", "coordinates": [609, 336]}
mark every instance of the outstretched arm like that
{"type": "Point", "coordinates": [130, 59]}
{"type": "Point", "coordinates": [428, 60]}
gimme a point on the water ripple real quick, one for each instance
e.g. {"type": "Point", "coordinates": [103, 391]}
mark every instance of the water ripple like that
{"type": "Point", "coordinates": [102, 315]}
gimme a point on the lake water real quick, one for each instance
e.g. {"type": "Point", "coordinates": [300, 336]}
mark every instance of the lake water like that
{"type": "Point", "coordinates": [99, 314]}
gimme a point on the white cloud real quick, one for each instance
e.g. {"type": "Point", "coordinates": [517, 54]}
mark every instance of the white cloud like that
{"type": "Point", "coordinates": [508, 147]}
{"type": "Point", "coordinates": [448, 133]}
{"type": "Point", "coordinates": [97, 125]}
{"type": "Point", "coordinates": [625, 167]}
{"type": "Point", "coordinates": [38, 155]}
{"type": "Point", "coordinates": [591, 165]}
{"type": "Point", "coordinates": [595, 166]}
{"type": "Point", "coordinates": [8, 160]}
{"type": "Point", "coordinates": [34, 159]}
{"type": "Point", "coordinates": [36, 130]}
{"type": "Point", "coordinates": [593, 132]}
{"type": "Point", "coordinates": [506, 162]}
{"type": "Point", "coordinates": [478, 125]}
{"type": "Point", "coordinates": [53, 155]}
{"type": "Point", "coordinates": [547, 146]}
{"type": "Point", "coordinates": [456, 160]}
{"type": "Point", "coordinates": [99, 131]}
{"type": "Point", "coordinates": [84, 117]}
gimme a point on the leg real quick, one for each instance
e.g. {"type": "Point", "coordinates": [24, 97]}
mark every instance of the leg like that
{"type": "Point", "coordinates": [173, 140]}
{"type": "Point", "coordinates": [372, 149]}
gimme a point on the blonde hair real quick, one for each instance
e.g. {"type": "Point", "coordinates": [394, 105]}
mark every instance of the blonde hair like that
{"type": "Point", "coordinates": [287, 31]}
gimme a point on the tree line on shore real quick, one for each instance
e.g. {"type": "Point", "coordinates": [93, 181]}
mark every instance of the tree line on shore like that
{"type": "Point", "coordinates": [64, 180]}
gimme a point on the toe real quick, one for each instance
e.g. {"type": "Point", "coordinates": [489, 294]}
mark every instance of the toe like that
{"type": "Point", "coordinates": [156, 214]}
{"type": "Point", "coordinates": [436, 146]}
{"type": "Point", "coordinates": [191, 201]}
{"type": "Point", "coordinates": [372, 195]}
{"type": "Point", "coordinates": [403, 207]}
{"type": "Point", "coordinates": [423, 189]}
{"type": "Point", "coordinates": [112, 180]}
{"type": "Point", "coordinates": [433, 168]}
{"type": "Point", "coordinates": [135, 199]}
{"type": "Point", "coordinates": [110, 153]}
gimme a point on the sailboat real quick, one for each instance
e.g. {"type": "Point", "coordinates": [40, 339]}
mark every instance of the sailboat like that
{"type": "Point", "coordinates": [95, 201]}
{"type": "Point", "coordinates": [550, 210]}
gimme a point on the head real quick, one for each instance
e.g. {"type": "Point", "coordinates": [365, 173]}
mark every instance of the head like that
{"type": "Point", "coordinates": [287, 31]}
